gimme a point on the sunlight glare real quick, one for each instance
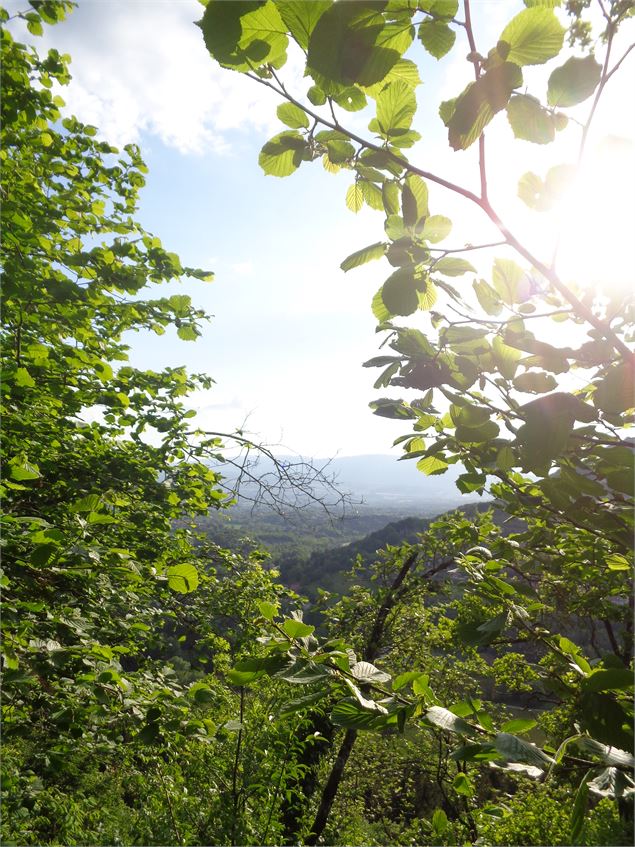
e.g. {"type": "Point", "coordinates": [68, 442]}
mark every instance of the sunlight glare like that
{"type": "Point", "coordinates": [596, 217]}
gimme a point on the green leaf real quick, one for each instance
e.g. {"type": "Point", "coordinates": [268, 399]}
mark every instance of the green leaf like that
{"type": "Point", "coordinates": [529, 120]}
{"type": "Point", "coordinates": [439, 822]}
{"type": "Point", "coordinates": [463, 785]}
{"type": "Point", "coordinates": [612, 783]}
{"type": "Point", "coordinates": [24, 379]}
{"type": "Point", "coordinates": [615, 393]}
{"type": "Point", "coordinates": [515, 749]}
{"type": "Point", "coordinates": [344, 47]}
{"type": "Point", "coordinates": [534, 36]}
{"type": "Point", "coordinates": [519, 725]}
{"type": "Point", "coordinates": [573, 82]}
{"type": "Point", "coordinates": [297, 629]}
{"type": "Point", "coordinates": [414, 200]}
{"type": "Point", "coordinates": [366, 254]}
{"type": "Point", "coordinates": [182, 578]}
{"type": "Point", "coordinates": [475, 107]}
{"type": "Point", "coordinates": [487, 297]}
{"type": "Point", "coordinates": [399, 293]}
{"type": "Point", "coordinates": [243, 35]}
{"type": "Point", "coordinates": [365, 672]}
{"type": "Point", "coordinates": [282, 155]}
{"type": "Point", "coordinates": [396, 106]}
{"type": "Point", "coordinates": [202, 693]}
{"type": "Point", "coordinates": [249, 670]}
{"type": "Point", "coordinates": [315, 93]}
{"type": "Point", "coordinates": [25, 470]}
{"type": "Point", "coordinates": [390, 197]}
{"type": "Point", "coordinates": [437, 37]}
{"type": "Point", "coordinates": [535, 382]}
{"type": "Point", "coordinates": [426, 294]}
{"type": "Point", "coordinates": [617, 562]}
{"type": "Point", "coordinates": [396, 409]}
{"type": "Point", "coordinates": [372, 195]}
{"type": "Point", "coordinates": [292, 116]}
{"type": "Point", "coordinates": [432, 465]}
{"type": "Point", "coordinates": [448, 721]}
{"type": "Point", "coordinates": [187, 332]}
{"type": "Point", "coordinates": [436, 228]}
{"type": "Point", "coordinates": [609, 755]}
{"type": "Point", "coordinates": [578, 810]}
{"type": "Point", "coordinates": [453, 266]}
{"type": "Point", "coordinates": [404, 678]}
{"type": "Point", "coordinates": [355, 197]}
{"type": "Point", "coordinates": [350, 714]}
{"type": "Point", "coordinates": [611, 679]}
{"type": "Point", "coordinates": [506, 357]}
{"type": "Point", "coordinates": [510, 281]}
{"type": "Point", "coordinates": [379, 310]}
{"type": "Point", "coordinates": [267, 610]}
{"type": "Point", "coordinates": [301, 703]}
{"type": "Point", "coordinates": [301, 17]}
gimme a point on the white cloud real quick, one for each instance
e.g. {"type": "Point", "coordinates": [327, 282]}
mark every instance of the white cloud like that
{"type": "Point", "coordinates": [141, 66]}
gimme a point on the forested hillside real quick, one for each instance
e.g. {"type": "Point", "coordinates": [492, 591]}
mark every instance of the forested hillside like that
{"type": "Point", "coordinates": [469, 683]}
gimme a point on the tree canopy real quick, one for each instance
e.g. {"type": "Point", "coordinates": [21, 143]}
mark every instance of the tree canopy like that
{"type": "Point", "coordinates": [178, 681]}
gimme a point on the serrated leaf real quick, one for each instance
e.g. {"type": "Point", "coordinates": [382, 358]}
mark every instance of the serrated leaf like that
{"type": "Point", "coordinates": [355, 197]}
{"type": "Point", "coordinates": [23, 378]}
{"type": "Point", "coordinates": [510, 281]}
{"type": "Point", "coordinates": [350, 714]}
{"type": "Point", "coordinates": [519, 725]}
{"type": "Point", "coordinates": [437, 37]}
{"type": "Point", "coordinates": [426, 295]}
{"type": "Point", "coordinates": [573, 82]}
{"type": "Point", "coordinates": [469, 114]}
{"type": "Point", "coordinates": [399, 293]}
{"type": "Point", "coordinates": [388, 408]}
{"type": "Point", "coordinates": [518, 750]}
{"type": "Point", "coordinates": [609, 755]}
{"type": "Point", "coordinates": [282, 155]}
{"type": "Point", "coordinates": [529, 120]}
{"type": "Point", "coordinates": [366, 672]}
{"type": "Point", "coordinates": [414, 200]}
{"type": "Point", "coordinates": [436, 228]}
{"type": "Point", "coordinates": [366, 254]}
{"type": "Point", "coordinates": [268, 610]}
{"type": "Point", "coordinates": [301, 18]}
{"type": "Point", "coordinates": [182, 578]}
{"type": "Point", "coordinates": [432, 465]}
{"type": "Point", "coordinates": [301, 703]}
{"type": "Point", "coordinates": [372, 195]}
{"type": "Point", "coordinates": [534, 36]}
{"type": "Point", "coordinates": [292, 115]}
{"type": "Point", "coordinates": [535, 382]}
{"type": "Point", "coordinates": [453, 266]}
{"type": "Point", "coordinates": [447, 720]}
{"type": "Point", "coordinates": [396, 106]}
{"type": "Point", "coordinates": [297, 629]}
{"type": "Point", "coordinates": [379, 309]}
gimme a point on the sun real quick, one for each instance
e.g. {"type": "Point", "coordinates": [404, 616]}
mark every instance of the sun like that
{"type": "Point", "coordinates": [596, 219]}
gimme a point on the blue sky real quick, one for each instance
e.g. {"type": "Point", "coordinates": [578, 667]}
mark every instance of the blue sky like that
{"type": "Point", "coordinates": [290, 330]}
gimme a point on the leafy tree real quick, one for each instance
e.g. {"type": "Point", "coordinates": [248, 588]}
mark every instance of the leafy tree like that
{"type": "Point", "coordinates": [495, 390]}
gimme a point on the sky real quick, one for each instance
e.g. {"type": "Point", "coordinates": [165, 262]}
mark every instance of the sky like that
{"type": "Point", "coordinates": [290, 330]}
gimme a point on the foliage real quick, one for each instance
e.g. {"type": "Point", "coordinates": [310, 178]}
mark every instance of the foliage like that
{"type": "Point", "coordinates": [496, 394]}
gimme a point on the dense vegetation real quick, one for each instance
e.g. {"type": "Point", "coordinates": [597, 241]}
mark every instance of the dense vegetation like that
{"type": "Point", "coordinates": [471, 686]}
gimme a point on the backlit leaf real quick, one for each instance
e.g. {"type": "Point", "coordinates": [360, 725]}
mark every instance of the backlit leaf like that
{"type": "Point", "coordinates": [366, 254]}
{"type": "Point", "coordinates": [182, 578]}
{"type": "Point", "coordinates": [534, 36]}
{"type": "Point", "coordinates": [574, 81]}
{"type": "Point", "coordinates": [437, 37]}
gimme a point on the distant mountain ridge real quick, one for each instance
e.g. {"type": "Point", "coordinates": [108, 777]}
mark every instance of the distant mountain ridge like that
{"type": "Point", "coordinates": [377, 480]}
